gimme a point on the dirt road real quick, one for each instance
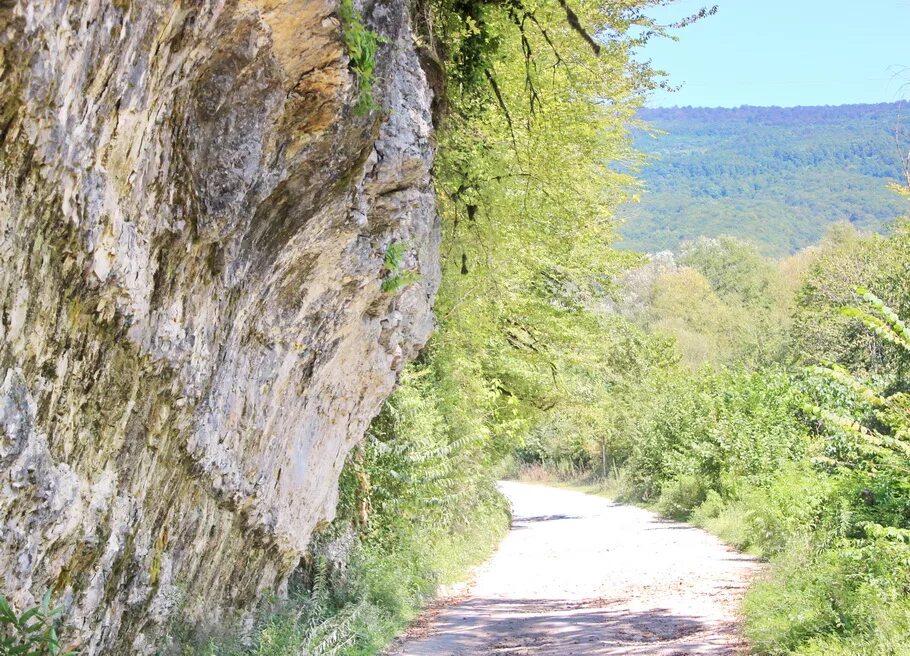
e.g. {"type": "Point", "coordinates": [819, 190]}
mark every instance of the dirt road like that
{"type": "Point", "coordinates": [579, 575]}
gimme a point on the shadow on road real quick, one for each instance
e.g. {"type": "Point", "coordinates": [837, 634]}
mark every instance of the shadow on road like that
{"type": "Point", "coordinates": [542, 518]}
{"type": "Point", "coordinates": [538, 627]}
{"type": "Point", "coordinates": [581, 576]}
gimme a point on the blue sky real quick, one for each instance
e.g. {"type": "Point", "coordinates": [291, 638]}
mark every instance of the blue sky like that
{"type": "Point", "coordinates": [786, 52]}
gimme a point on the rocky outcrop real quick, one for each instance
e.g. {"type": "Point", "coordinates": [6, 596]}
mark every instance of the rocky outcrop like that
{"type": "Point", "coordinates": [193, 332]}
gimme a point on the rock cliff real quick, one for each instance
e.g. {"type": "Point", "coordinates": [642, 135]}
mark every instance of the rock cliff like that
{"type": "Point", "coordinates": [193, 330]}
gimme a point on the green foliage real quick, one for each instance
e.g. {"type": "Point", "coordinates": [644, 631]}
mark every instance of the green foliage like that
{"type": "Point", "coordinates": [722, 302]}
{"type": "Point", "coordinates": [773, 176]}
{"type": "Point", "coordinates": [530, 169]}
{"type": "Point", "coordinates": [845, 260]}
{"type": "Point", "coordinates": [422, 467]}
{"type": "Point", "coordinates": [844, 588]}
{"type": "Point", "coordinates": [726, 428]}
{"type": "Point", "coordinates": [765, 519]}
{"type": "Point", "coordinates": [394, 256]}
{"type": "Point", "coordinates": [850, 595]}
{"type": "Point", "coordinates": [393, 261]}
{"type": "Point", "coordinates": [362, 45]}
{"type": "Point", "coordinates": [735, 269]}
{"type": "Point", "coordinates": [30, 633]}
{"type": "Point", "coordinates": [473, 38]}
{"type": "Point", "coordinates": [808, 468]}
{"type": "Point", "coordinates": [589, 425]}
{"type": "Point", "coordinates": [684, 305]}
{"type": "Point", "coordinates": [681, 495]}
{"type": "Point", "coordinates": [883, 431]}
{"type": "Point", "coordinates": [304, 626]}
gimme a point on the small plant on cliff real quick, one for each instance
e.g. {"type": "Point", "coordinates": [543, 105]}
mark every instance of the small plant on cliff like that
{"type": "Point", "coordinates": [32, 633]}
{"type": "Point", "coordinates": [392, 262]}
{"type": "Point", "coordinates": [362, 45]}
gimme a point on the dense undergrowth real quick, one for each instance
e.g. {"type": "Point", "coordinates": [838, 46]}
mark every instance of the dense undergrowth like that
{"type": "Point", "coordinates": [801, 456]}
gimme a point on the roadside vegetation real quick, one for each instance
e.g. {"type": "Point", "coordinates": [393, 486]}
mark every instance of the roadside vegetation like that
{"type": "Point", "coordinates": [783, 427]}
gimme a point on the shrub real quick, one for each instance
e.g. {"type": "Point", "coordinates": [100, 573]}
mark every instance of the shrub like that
{"type": "Point", "coordinates": [765, 519]}
{"type": "Point", "coordinates": [793, 604]}
{"type": "Point", "coordinates": [852, 592]}
{"type": "Point", "coordinates": [31, 633]}
{"type": "Point", "coordinates": [725, 428]}
{"type": "Point", "coordinates": [725, 519]}
{"type": "Point", "coordinates": [790, 506]}
{"type": "Point", "coordinates": [681, 496]}
{"type": "Point", "coordinates": [841, 581]}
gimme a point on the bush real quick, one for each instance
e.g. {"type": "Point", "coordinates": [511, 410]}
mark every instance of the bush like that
{"type": "Point", "coordinates": [850, 593]}
{"type": "Point", "coordinates": [793, 604]}
{"type": "Point", "coordinates": [31, 633]}
{"type": "Point", "coordinates": [789, 507]}
{"type": "Point", "coordinates": [764, 520]}
{"type": "Point", "coordinates": [726, 429]}
{"type": "Point", "coordinates": [681, 496]}
{"type": "Point", "coordinates": [724, 518]}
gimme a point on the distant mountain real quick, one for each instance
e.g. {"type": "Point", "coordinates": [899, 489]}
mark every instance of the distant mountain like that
{"type": "Point", "coordinates": [775, 176]}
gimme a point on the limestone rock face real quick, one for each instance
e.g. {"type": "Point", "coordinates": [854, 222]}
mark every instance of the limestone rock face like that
{"type": "Point", "coordinates": [193, 333]}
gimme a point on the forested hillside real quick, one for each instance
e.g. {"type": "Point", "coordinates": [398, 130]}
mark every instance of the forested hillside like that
{"type": "Point", "coordinates": [775, 176]}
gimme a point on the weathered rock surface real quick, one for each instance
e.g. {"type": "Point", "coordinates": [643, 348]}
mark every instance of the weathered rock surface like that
{"type": "Point", "coordinates": [193, 334]}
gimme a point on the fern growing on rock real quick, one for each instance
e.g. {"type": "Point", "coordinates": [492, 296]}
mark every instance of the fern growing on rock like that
{"type": "Point", "coordinates": [397, 277]}
{"type": "Point", "coordinates": [362, 44]}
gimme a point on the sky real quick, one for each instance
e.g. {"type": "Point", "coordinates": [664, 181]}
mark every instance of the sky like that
{"type": "Point", "coordinates": [786, 53]}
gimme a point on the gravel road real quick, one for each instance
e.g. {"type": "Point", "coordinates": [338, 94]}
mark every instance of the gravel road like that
{"type": "Point", "coordinates": [579, 575]}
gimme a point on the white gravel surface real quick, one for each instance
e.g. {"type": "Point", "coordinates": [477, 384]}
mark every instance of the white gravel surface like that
{"type": "Point", "coordinates": [579, 575]}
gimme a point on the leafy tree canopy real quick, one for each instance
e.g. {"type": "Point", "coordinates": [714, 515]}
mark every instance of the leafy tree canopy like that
{"type": "Point", "coordinates": [774, 176]}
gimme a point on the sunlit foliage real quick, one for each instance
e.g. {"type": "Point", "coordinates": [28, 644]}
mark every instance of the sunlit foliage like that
{"type": "Point", "coordinates": [771, 175]}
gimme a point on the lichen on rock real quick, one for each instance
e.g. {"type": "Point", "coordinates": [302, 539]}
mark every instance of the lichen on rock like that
{"type": "Point", "coordinates": [193, 330]}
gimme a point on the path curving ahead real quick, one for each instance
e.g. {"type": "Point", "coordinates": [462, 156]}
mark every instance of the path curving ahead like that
{"type": "Point", "coordinates": [580, 575]}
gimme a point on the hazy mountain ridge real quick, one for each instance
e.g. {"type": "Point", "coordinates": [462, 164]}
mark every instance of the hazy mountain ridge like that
{"type": "Point", "coordinates": [776, 176]}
